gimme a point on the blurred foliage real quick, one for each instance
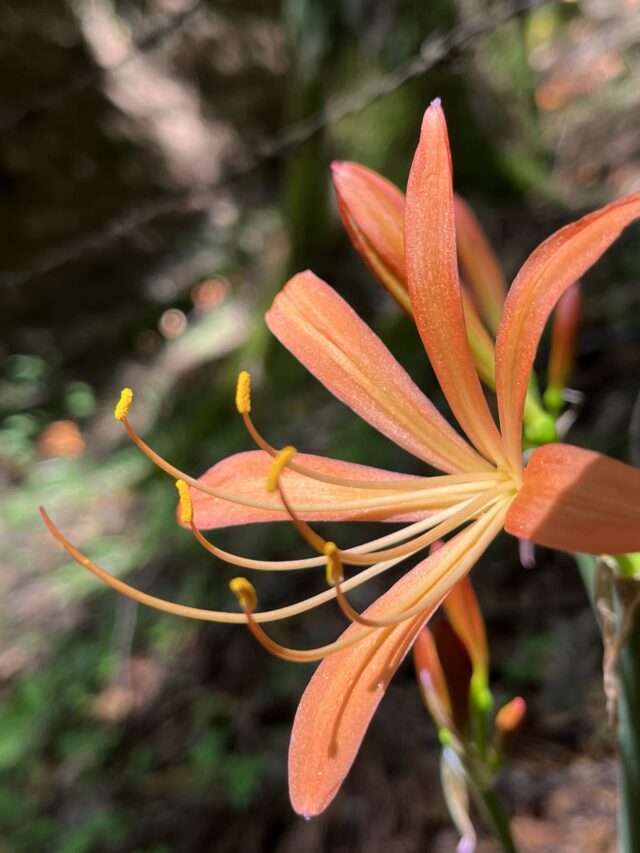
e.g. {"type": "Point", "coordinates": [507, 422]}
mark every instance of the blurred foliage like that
{"type": "Point", "coordinates": [125, 729]}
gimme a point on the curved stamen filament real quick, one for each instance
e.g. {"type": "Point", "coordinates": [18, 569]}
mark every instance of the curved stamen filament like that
{"type": "Point", "coordinates": [425, 498]}
{"type": "Point", "coordinates": [475, 532]}
{"type": "Point", "coordinates": [313, 562]}
{"type": "Point", "coordinates": [456, 558]}
{"type": "Point", "coordinates": [461, 557]}
{"type": "Point", "coordinates": [243, 405]}
{"type": "Point", "coordinates": [399, 484]}
{"type": "Point", "coordinates": [201, 613]}
{"type": "Point", "coordinates": [463, 512]}
{"type": "Point", "coordinates": [177, 474]}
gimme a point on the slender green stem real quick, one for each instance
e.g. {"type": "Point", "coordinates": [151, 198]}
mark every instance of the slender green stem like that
{"type": "Point", "coordinates": [621, 595]}
{"type": "Point", "coordinates": [629, 736]}
{"type": "Point", "coordinates": [490, 806]}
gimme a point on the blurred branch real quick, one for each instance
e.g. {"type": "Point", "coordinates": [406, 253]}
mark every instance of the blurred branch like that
{"type": "Point", "coordinates": [150, 41]}
{"type": "Point", "coordinates": [435, 49]}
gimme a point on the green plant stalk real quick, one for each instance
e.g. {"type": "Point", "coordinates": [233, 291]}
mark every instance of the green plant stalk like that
{"type": "Point", "coordinates": [628, 702]}
{"type": "Point", "coordinates": [629, 737]}
{"type": "Point", "coordinates": [490, 806]}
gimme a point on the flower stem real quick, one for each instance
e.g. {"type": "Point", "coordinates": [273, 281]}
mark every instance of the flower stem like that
{"type": "Point", "coordinates": [629, 740]}
{"type": "Point", "coordinates": [490, 807]}
{"type": "Point", "coordinates": [622, 596]}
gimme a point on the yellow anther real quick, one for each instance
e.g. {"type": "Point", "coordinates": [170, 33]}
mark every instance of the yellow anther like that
{"type": "Point", "coordinates": [245, 593]}
{"type": "Point", "coordinates": [278, 465]}
{"type": "Point", "coordinates": [186, 507]}
{"type": "Point", "coordinates": [243, 392]}
{"type": "Point", "coordinates": [334, 564]}
{"type": "Point", "coordinates": [124, 404]}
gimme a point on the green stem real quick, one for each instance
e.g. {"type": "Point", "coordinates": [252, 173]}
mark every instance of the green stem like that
{"type": "Point", "coordinates": [621, 596]}
{"type": "Point", "coordinates": [629, 738]}
{"type": "Point", "coordinates": [490, 806]}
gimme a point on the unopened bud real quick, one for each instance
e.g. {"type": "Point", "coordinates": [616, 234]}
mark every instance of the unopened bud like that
{"type": "Point", "coordinates": [508, 720]}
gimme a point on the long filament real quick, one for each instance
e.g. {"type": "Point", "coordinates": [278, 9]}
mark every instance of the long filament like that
{"type": "Point", "coordinates": [354, 483]}
{"type": "Point", "coordinates": [312, 562]}
{"type": "Point", "coordinates": [461, 557]}
{"type": "Point", "coordinates": [436, 497]}
{"type": "Point", "coordinates": [460, 516]}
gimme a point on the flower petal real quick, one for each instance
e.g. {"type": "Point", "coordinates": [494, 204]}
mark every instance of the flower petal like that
{"type": "Point", "coordinates": [463, 611]}
{"type": "Point", "coordinates": [479, 265]}
{"type": "Point", "coordinates": [337, 706]}
{"type": "Point", "coordinates": [245, 475]}
{"type": "Point", "coordinates": [457, 668]}
{"type": "Point", "coordinates": [434, 286]}
{"type": "Point", "coordinates": [553, 267]}
{"type": "Point", "coordinates": [372, 210]}
{"type": "Point", "coordinates": [578, 500]}
{"type": "Point", "coordinates": [334, 344]}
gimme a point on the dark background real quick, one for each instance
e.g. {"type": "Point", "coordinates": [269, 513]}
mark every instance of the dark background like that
{"type": "Point", "coordinates": [163, 170]}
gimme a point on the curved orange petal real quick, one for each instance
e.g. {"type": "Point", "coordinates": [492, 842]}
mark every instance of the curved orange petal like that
{"type": "Point", "coordinates": [372, 210]}
{"type": "Point", "coordinates": [553, 267]}
{"type": "Point", "coordinates": [337, 706]}
{"type": "Point", "coordinates": [245, 475]}
{"type": "Point", "coordinates": [479, 265]}
{"type": "Point", "coordinates": [434, 286]}
{"type": "Point", "coordinates": [334, 344]}
{"type": "Point", "coordinates": [463, 612]}
{"type": "Point", "coordinates": [578, 500]}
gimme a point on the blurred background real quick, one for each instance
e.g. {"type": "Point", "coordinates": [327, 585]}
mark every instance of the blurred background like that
{"type": "Point", "coordinates": [164, 167]}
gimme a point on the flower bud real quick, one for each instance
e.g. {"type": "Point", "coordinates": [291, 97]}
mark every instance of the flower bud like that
{"type": "Point", "coordinates": [508, 720]}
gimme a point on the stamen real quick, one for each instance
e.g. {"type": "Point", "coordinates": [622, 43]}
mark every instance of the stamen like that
{"type": "Point", "coordinates": [305, 530]}
{"type": "Point", "coordinates": [462, 555]}
{"type": "Point", "coordinates": [124, 404]}
{"type": "Point", "coordinates": [430, 497]}
{"type": "Point", "coordinates": [245, 592]}
{"type": "Point", "coordinates": [248, 563]}
{"type": "Point", "coordinates": [202, 614]}
{"type": "Point", "coordinates": [334, 567]}
{"type": "Point", "coordinates": [335, 576]}
{"type": "Point", "coordinates": [468, 540]}
{"type": "Point", "coordinates": [177, 474]}
{"type": "Point", "coordinates": [186, 507]}
{"type": "Point", "coordinates": [313, 562]}
{"type": "Point", "coordinates": [464, 511]}
{"type": "Point", "coordinates": [400, 484]}
{"type": "Point", "coordinates": [243, 392]}
{"type": "Point", "coordinates": [277, 467]}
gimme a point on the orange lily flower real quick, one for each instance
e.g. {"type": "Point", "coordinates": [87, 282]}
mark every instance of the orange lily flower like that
{"type": "Point", "coordinates": [566, 497]}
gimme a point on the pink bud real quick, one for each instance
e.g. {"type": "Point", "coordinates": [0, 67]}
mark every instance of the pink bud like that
{"type": "Point", "coordinates": [511, 715]}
